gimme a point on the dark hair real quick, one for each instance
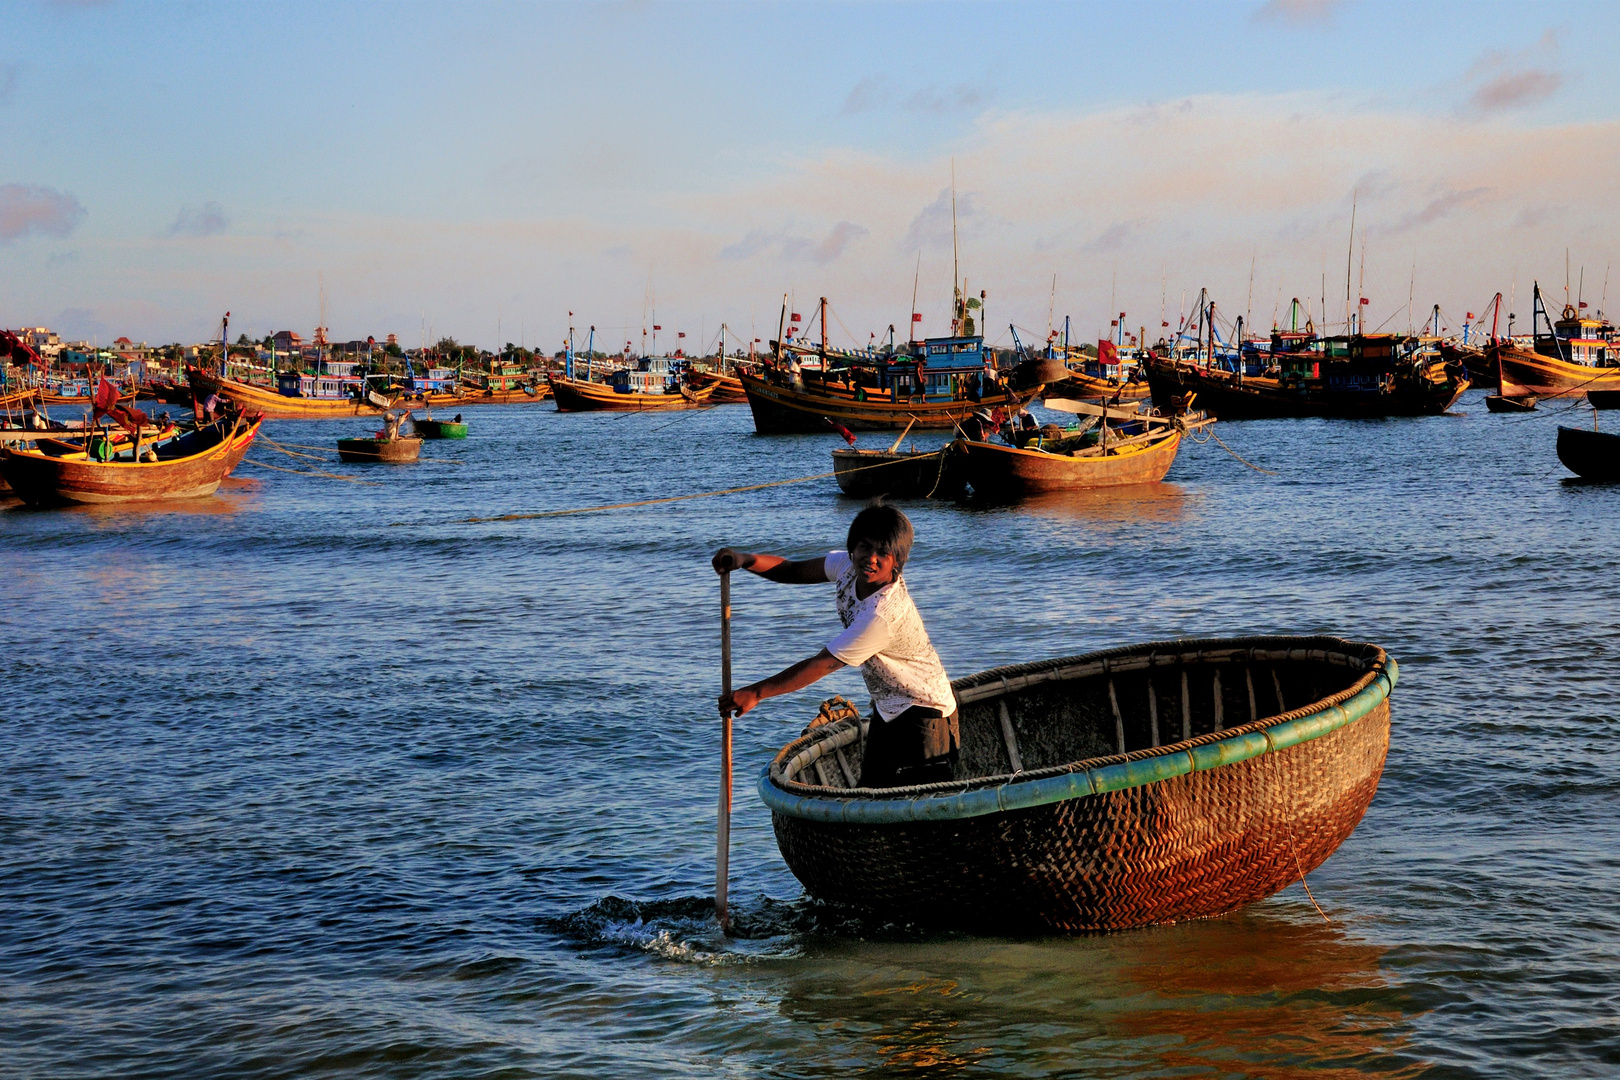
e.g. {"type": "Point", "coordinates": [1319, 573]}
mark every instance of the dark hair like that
{"type": "Point", "coordinates": [886, 529]}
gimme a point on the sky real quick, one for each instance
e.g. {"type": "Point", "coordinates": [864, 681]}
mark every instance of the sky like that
{"type": "Point", "coordinates": [482, 170]}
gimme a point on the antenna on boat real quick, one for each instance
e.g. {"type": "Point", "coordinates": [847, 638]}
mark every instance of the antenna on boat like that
{"type": "Point", "coordinates": [956, 257]}
{"type": "Point", "coordinates": [1349, 257]}
{"type": "Point", "coordinates": [1248, 313]}
{"type": "Point", "coordinates": [915, 278]}
{"type": "Point", "coordinates": [1164, 293]}
{"type": "Point", "coordinates": [1051, 311]}
{"type": "Point", "coordinates": [1411, 293]}
{"type": "Point", "coordinates": [1361, 282]}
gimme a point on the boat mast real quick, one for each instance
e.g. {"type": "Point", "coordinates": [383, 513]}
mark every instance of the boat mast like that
{"type": "Point", "coordinates": [781, 328]}
{"type": "Point", "coordinates": [823, 333]}
{"type": "Point", "coordinates": [225, 346]}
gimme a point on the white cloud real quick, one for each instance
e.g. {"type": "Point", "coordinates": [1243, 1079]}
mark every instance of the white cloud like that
{"type": "Point", "coordinates": [205, 220]}
{"type": "Point", "coordinates": [1512, 80]}
{"type": "Point", "coordinates": [1298, 12]}
{"type": "Point", "coordinates": [26, 209]}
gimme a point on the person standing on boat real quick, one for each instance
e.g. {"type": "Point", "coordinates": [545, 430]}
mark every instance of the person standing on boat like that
{"type": "Point", "coordinates": [914, 734]}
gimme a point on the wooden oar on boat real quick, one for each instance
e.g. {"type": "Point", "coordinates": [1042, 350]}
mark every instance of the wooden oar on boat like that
{"type": "Point", "coordinates": [722, 825]}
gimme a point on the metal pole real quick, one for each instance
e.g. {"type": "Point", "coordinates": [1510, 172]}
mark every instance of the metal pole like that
{"type": "Point", "coordinates": [722, 851]}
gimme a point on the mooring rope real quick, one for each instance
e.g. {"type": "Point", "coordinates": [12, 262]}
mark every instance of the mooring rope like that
{"type": "Point", "coordinates": [1240, 457]}
{"type": "Point", "coordinates": [940, 453]}
{"type": "Point", "coordinates": [360, 453]}
{"type": "Point", "coordinates": [652, 502]}
{"type": "Point", "coordinates": [303, 472]}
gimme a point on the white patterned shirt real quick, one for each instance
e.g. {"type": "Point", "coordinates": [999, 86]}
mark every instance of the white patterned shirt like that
{"type": "Point", "coordinates": [884, 635]}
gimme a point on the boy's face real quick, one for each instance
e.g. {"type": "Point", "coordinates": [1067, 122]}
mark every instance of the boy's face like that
{"type": "Point", "coordinates": [872, 566]}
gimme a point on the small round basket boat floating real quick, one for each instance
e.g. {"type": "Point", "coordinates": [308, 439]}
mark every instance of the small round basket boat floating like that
{"type": "Point", "coordinates": [1150, 784]}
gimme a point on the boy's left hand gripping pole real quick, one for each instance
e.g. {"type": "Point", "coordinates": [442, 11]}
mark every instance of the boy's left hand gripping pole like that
{"type": "Point", "coordinates": [722, 852]}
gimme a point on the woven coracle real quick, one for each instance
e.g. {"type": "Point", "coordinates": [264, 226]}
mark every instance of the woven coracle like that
{"type": "Point", "coordinates": [1141, 785]}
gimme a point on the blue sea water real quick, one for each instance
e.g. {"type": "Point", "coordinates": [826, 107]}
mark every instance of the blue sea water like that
{"type": "Point", "coordinates": [316, 777]}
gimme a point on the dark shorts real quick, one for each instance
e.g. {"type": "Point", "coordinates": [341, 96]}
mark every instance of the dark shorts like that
{"type": "Point", "coordinates": [897, 750]}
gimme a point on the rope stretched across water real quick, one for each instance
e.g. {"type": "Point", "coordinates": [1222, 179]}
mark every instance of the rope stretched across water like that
{"type": "Point", "coordinates": [310, 472]}
{"type": "Point", "coordinates": [940, 453]}
{"type": "Point", "coordinates": [653, 502]}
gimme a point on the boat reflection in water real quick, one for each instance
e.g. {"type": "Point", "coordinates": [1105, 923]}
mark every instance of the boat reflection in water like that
{"type": "Point", "coordinates": [1274, 993]}
{"type": "Point", "coordinates": [1158, 502]}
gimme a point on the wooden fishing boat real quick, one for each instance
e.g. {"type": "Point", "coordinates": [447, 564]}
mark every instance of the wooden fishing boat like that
{"type": "Point", "coordinates": [784, 409]}
{"type": "Point", "coordinates": [728, 389]}
{"type": "Point", "coordinates": [1572, 356]}
{"type": "Point", "coordinates": [1360, 376]}
{"type": "Point", "coordinates": [1548, 376]}
{"type": "Point", "coordinates": [899, 474]}
{"type": "Point", "coordinates": [400, 449]}
{"type": "Point", "coordinates": [274, 405]}
{"type": "Point", "coordinates": [1592, 455]}
{"type": "Point", "coordinates": [576, 395]}
{"type": "Point", "coordinates": [83, 399]}
{"type": "Point", "coordinates": [187, 467]}
{"type": "Point", "coordinates": [1079, 386]}
{"type": "Point", "coordinates": [1506, 403]}
{"type": "Point", "coordinates": [527, 394]}
{"type": "Point", "coordinates": [441, 429]}
{"type": "Point", "coordinates": [995, 471]}
{"type": "Point", "coordinates": [1143, 785]}
{"type": "Point", "coordinates": [18, 399]}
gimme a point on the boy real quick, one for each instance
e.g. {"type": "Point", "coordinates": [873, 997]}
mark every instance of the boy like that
{"type": "Point", "coordinates": [914, 736]}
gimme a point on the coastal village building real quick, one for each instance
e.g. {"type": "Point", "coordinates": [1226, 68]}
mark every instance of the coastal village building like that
{"type": "Point", "coordinates": [42, 339]}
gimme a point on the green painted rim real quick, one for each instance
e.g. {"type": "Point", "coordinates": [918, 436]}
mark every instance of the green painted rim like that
{"type": "Point", "coordinates": [1242, 744]}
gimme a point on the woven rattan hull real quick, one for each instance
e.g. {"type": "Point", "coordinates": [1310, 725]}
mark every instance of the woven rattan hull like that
{"type": "Point", "coordinates": [1185, 848]}
{"type": "Point", "coordinates": [1156, 849]}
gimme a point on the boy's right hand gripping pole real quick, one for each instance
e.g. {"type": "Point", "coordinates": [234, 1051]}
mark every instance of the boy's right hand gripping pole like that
{"type": "Point", "coordinates": [723, 819]}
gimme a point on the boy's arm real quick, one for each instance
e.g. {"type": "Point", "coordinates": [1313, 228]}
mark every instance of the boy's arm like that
{"type": "Point", "coordinates": [773, 567]}
{"type": "Point", "coordinates": [797, 677]}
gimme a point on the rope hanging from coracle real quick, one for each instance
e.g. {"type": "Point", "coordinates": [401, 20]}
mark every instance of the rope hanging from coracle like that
{"type": "Point", "coordinates": [1301, 868]}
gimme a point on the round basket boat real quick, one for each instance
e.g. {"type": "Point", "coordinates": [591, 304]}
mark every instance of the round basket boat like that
{"type": "Point", "coordinates": [1150, 784]}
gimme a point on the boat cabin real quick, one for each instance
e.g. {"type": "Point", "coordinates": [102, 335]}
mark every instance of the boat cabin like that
{"type": "Point", "coordinates": [1582, 340]}
{"type": "Point", "coordinates": [650, 375]}
{"type": "Point", "coordinates": [331, 386]}
{"type": "Point", "coordinates": [935, 369]}
{"type": "Point", "coordinates": [504, 375]}
{"type": "Point", "coordinates": [437, 380]}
